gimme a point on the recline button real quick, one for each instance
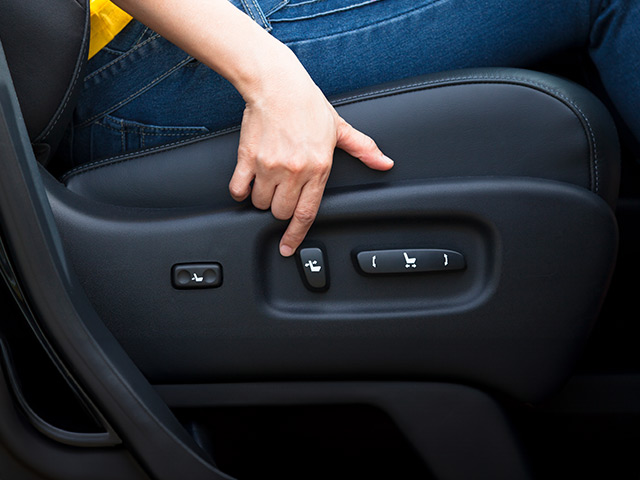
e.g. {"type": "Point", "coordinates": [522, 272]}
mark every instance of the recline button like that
{"type": "Point", "coordinates": [196, 275]}
{"type": "Point", "coordinates": [409, 261]}
{"type": "Point", "coordinates": [314, 268]}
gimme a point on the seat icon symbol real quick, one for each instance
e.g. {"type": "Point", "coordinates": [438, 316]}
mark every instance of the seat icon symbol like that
{"type": "Point", "coordinates": [196, 278]}
{"type": "Point", "coordinates": [409, 261]}
{"type": "Point", "coordinates": [312, 265]}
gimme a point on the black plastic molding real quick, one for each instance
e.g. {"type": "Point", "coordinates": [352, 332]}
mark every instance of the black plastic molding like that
{"type": "Point", "coordinates": [72, 327]}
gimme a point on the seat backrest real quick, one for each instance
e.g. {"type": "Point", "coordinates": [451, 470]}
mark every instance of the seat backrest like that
{"type": "Point", "coordinates": [45, 43]}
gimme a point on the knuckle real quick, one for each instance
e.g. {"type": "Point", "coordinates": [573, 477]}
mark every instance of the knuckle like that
{"type": "Point", "coordinates": [296, 166]}
{"type": "Point", "coordinates": [305, 215]}
{"type": "Point", "coordinates": [246, 151]}
{"type": "Point", "coordinates": [321, 167]}
{"type": "Point", "coordinates": [268, 163]}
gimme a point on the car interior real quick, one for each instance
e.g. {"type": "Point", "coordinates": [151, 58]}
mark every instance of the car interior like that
{"type": "Point", "coordinates": [468, 314]}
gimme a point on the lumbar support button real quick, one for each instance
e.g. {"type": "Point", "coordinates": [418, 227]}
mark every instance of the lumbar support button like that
{"type": "Point", "coordinates": [314, 268]}
{"type": "Point", "coordinates": [409, 261]}
{"type": "Point", "coordinates": [198, 275]}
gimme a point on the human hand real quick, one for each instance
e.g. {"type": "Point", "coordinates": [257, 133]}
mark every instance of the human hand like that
{"type": "Point", "coordinates": [288, 136]}
{"type": "Point", "coordinates": [289, 129]}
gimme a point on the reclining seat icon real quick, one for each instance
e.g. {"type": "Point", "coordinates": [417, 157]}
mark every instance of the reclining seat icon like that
{"type": "Point", "coordinates": [409, 262]}
{"type": "Point", "coordinates": [312, 265]}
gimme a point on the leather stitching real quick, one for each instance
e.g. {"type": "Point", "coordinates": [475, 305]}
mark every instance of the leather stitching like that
{"type": "Point", "coordinates": [594, 159]}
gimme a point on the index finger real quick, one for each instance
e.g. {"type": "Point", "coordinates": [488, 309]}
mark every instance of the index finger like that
{"type": "Point", "coordinates": [302, 219]}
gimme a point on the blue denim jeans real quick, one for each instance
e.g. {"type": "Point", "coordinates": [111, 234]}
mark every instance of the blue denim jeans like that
{"type": "Point", "coordinates": [142, 91]}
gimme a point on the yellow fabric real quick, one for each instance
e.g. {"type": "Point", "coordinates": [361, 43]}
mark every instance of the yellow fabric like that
{"type": "Point", "coordinates": [107, 20]}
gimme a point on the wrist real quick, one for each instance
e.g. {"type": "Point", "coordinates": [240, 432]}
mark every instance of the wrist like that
{"type": "Point", "coordinates": [273, 68]}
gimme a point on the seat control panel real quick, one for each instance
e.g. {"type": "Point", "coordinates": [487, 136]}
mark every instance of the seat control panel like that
{"type": "Point", "coordinates": [409, 261]}
{"type": "Point", "coordinates": [196, 275]}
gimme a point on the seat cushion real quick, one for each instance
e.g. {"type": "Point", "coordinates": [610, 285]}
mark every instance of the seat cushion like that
{"type": "Point", "coordinates": [474, 122]}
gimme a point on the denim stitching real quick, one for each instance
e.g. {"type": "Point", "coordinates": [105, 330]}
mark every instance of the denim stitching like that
{"type": "Point", "coordinates": [135, 94]}
{"type": "Point", "coordinates": [308, 2]}
{"type": "Point", "coordinates": [265, 22]}
{"type": "Point", "coordinates": [322, 14]}
{"type": "Point", "coordinates": [543, 87]}
{"type": "Point", "coordinates": [132, 124]}
{"type": "Point", "coordinates": [276, 8]}
{"type": "Point", "coordinates": [379, 23]}
{"type": "Point", "coordinates": [123, 137]}
{"type": "Point", "coordinates": [123, 131]}
{"type": "Point", "coordinates": [116, 60]}
{"type": "Point", "coordinates": [105, 162]}
{"type": "Point", "coordinates": [141, 36]}
{"type": "Point", "coordinates": [248, 10]}
{"type": "Point", "coordinates": [111, 51]}
{"type": "Point", "coordinates": [170, 134]}
{"type": "Point", "coordinates": [124, 128]}
{"type": "Point", "coordinates": [155, 134]}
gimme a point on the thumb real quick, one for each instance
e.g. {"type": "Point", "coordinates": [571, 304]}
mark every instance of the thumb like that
{"type": "Point", "coordinates": [361, 146]}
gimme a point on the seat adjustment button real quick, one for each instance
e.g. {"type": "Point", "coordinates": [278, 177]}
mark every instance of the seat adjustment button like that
{"type": "Point", "coordinates": [409, 261]}
{"type": "Point", "coordinates": [196, 275]}
{"type": "Point", "coordinates": [314, 268]}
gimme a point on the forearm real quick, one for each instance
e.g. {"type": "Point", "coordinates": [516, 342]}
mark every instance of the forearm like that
{"type": "Point", "coordinates": [289, 130]}
{"type": "Point", "coordinates": [218, 35]}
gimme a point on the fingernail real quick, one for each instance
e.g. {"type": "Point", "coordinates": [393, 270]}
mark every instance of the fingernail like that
{"type": "Point", "coordinates": [387, 159]}
{"type": "Point", "coordinates": [286, 250]}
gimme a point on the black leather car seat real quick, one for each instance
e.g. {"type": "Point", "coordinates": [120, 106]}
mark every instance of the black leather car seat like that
{"type": "Point", "coordinates": [517, 170]}
{"type": "Point", "coordinates": [477, 124]}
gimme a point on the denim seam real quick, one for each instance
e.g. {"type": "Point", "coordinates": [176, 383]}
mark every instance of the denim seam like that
{"type": "Point", "coordinates": [154, 134]}
{"type": "Point", "coordinates": [265, 23]}
{"type": "Point", "coordinates": [594, 160]}
{"type": "Point", "coordinates": [275, 9]}
{"type": "Point", "coordinates": [109, 127]}
{"type": "Point", "coordinates": [389, 92]}
{"type": "Point", "coordinates": [322, 14]}
{"type": "Point", "coordinates": [123, 137]}
{"type": "Point", "coordinates": [115, 53]}
{"type": "Point", "coordinates": [248, 10]}
{"type": "Point", "coordinates": [141, 36]}
{"type": "Point", "coordinates": [258, 16]}
{"type": "Point", "coordinates": [411, 11]}
{"type": "Point", "coordinates": [308, 2]}
{"type": "Point", "coordinates": [121, 57]}
{"type": "Point", "coordinates": [124, 129]}
{"type": "Point", "coordinates": [84, 168]}
{"type": "Point", "coordinates": [135, 94]}
{"type": "Point", "coordinates": [124, 124]}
